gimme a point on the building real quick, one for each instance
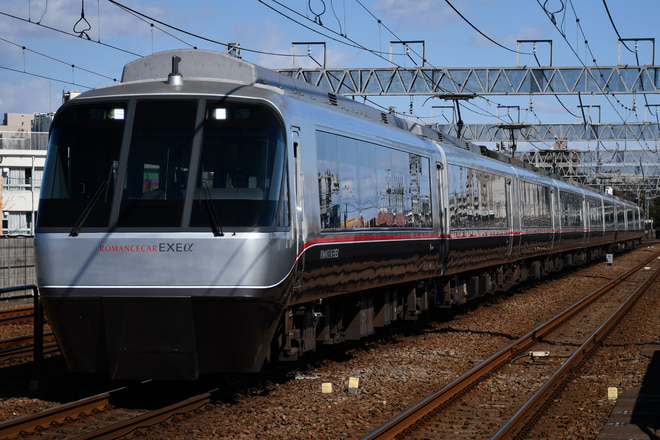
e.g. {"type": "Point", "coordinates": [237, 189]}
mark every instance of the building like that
{"type": "Point", "coordinates": [23, 144]}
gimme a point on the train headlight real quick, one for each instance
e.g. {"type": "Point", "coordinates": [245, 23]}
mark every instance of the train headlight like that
{"type": "Point", "coordinates": [117, 113]}
{"type": "Point", "coordinates": [220, 114]}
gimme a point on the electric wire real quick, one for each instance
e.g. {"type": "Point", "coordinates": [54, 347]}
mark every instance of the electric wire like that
{"type": "Point", "coordinates": [316, 20]}
{"type": "Point", "coordinates": [609, 15]}
{"type": "Point", "coordinates": [563, 34]}
{"type": "Point", "coordinates": [192, 34]}
{"type": "Point", "coordinates": [57, 60]}
{"type": "Point", "coordinates": [224, 44]}
{"type": "Point", "coordinates": [632, 110]}
{"type": "Point", "coordinates": [482, 112]}
{"type": "Point", "coordinates": [64, 81]}
{"type": "Point", "coordinates": [481, 33]}
{"type": "Point", "coordinates": [139, 17]}
{"type": "Point", "coordinates": [110, 46]}
{"type": "Point", "coordinates": [42, 14]}
{"type": "Point", "coordinates": [377, 53]}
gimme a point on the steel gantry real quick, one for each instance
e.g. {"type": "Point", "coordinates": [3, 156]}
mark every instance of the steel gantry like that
{"type": "Point", "coordinates": [618, 132]}
{"type": "Point", "coordinates": [635, 172]}
{"type": "Point", "coordinates": [520, 80]}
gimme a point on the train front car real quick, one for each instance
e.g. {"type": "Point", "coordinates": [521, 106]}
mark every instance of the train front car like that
{"type": "Point", "coordinates": [164, 242]}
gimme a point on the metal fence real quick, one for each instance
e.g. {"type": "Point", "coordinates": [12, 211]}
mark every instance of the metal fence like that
{"type": "Point", "coordinates": [17, 261]}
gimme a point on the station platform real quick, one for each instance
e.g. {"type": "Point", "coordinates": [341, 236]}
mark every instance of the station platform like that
{"type": "Point", "coordinates": [637, 411]}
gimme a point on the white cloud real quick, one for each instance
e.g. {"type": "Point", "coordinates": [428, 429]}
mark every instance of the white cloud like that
{"type": "Point", "coordinates": [418, 15]}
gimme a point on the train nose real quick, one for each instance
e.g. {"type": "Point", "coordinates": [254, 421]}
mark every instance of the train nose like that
{"type": "Point", "coordinates": [147, 338]}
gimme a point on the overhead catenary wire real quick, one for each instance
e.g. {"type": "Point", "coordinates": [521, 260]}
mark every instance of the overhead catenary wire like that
{"type": "Point", "coordinates": [607, 92]}
{"type": "Point", "coordinates": [192, 34]}
{"type": "Point", "coordinates": [50, 78]}
{"type": "Point", "coordinates": [581, 61]}
{"type": "Point", "coordinates": [350, 42]}
{"type": "Point", "coordinates": [133, 11]}
{"type": "Point", "coordinates": [340, 37]}
{"type": "Point", "coordinates": [66, 63]}
{"type": "Point", "coordinates": [471, 106]}
{"type": "Point", "coordinates": [50, 28]}
{"type": "Point", "coordinates": [481, 33]}
{"type": "Point", "coordinates": [609, 15]}
{"type": "Point", "coordinates": [482, 112]}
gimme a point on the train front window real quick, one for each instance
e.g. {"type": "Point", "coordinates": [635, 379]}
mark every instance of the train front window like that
{"type": "Point", "coordinates": [158, 164]}
{"type": "Point", "coordinates": [80, 174]}
{"type": "Point", "coordinates": [241, 178]}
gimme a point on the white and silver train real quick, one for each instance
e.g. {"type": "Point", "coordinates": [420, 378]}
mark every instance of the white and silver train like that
{"type": "Point", "coordinates": [207, 215]}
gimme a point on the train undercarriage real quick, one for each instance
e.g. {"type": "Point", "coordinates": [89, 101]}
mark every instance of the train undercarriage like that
{"type": "Point", "coordinates": [305, 327]}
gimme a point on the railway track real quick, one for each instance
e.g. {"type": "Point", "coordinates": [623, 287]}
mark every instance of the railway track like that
{"type": "Point", "coordinates": [23, 346]}
{"type": "Point", "coordinates": [20, 344]}
{"type": "Point", "coordinates": [503, 396]}
{"type": "Point", "coordinates": [17, 314]}
{"type": "Point", "coordinates": [96, 417]}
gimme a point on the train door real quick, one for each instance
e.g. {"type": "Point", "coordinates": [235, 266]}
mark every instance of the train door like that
{"type": "Point", "coordinates": [553, 219]}
{"type": "Point", "coordinates": [586, 222]}
{"type": "Point", "coordinates": [442, 226]}
{"type": "Point", "coordinates": [556, 218]}
{"type": "Point", "coordinates": [298, 211]}
{"type": "Point", "coordinates": [514, 218]}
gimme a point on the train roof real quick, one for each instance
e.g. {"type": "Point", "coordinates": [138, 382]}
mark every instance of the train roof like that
{"type": "Point", "coordinates": [204, 67]}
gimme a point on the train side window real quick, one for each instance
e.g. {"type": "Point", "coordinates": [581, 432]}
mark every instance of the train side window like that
{"type": "Point", "coordinates": [477, 199]}
{"type": "Point", "coordinates": [595, 214]}
{"type": "Point", "coordinates": [366, 185]}
{"type": "Point", "coordinates": [610, 220]}
{"type": "Point", "coordinates": [349, 189]}
{"type": "Point", "coordinates": [536, 201]}
{"type": "Point", "coordinates": [383, 185]}
{"type": "Point", "coordinates": [571, 209]}
{"type": "Point", "coordinates": [327, 164]}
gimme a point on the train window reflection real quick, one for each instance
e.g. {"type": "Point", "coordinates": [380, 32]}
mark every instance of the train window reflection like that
{"type": "Point", "coordinates": [610, 220]}
{"type": "Point", "coordinates": [158, 164]}
{"type": "Point", "coordinates": [536, 200]}
{"type": "Point", "coordinates": [365, 185]}
{"type": "Point", "coordinates": [477, 199]}
{"type": "Point", "coordinates": [75, 173]}
{"type": "Point", "coordinates": [571, 210]}
{"type": "Point", "coordinates": [595, 214]}
{"type": "Point", "coordinates": [241, 176]}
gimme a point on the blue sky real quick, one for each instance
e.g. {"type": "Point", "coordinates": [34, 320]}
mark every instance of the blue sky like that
{"type": "Point", "coordinates": [117, 37]}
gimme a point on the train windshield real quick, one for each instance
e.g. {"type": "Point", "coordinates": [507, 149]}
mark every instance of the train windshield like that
{"type": "Point", "coordinates": [82, 164]}
{"type": "Point", "coordinates": [241, 172]}
{"type": "Point", "coordinates": [158, 164]}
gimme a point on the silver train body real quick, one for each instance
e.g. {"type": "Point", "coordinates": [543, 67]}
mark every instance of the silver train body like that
{"type": "Point", "coordinates": [226, 216]}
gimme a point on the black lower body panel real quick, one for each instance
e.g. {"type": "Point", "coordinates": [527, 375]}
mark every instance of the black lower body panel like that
{"type": "Point", "coordinates": [162, 337]}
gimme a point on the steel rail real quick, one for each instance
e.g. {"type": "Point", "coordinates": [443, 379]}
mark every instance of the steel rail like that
{"type": "Point", "coordinates": [407, 421]}
{"type": "Point", "coordinates": [16, 314]}
{"type": "Point", "coordinates": [13, 341]}
{"type": "Point", "coordinates": [27, 350]}
{"type": "Point", "coordinates": [28, 423]}
{"type": "Point", "coordinates": [38, 322]}
{"type": "Point", "coordinates": [529, 411]}
{"type": "Point", "coordinates": [151, 418]}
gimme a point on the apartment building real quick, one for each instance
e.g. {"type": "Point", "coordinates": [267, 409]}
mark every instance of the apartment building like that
{"type": "Point", "coordinates": [23, 144]}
